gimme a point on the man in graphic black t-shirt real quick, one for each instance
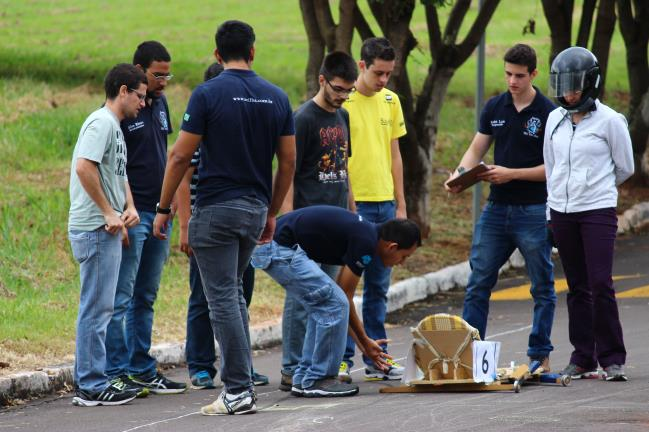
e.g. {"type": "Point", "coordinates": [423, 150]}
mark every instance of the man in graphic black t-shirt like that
{"type": "Point", "coordinates": [331, 235]}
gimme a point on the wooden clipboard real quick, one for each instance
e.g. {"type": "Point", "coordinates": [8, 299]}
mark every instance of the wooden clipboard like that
{"type": "Point", "coordinates": [468, 178]}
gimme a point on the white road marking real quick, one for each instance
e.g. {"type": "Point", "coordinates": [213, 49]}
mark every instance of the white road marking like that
{"type": "Point", "coordinates": [161, 421]}
{"type": "Point", "coordinates": [520, 329]}
{"type": "Point", "coordinates": [278, 407]}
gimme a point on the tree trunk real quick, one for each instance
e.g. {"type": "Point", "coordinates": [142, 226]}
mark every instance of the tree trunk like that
{"type": "Point", "coordinates": [558, 13]}
{"type": "Point", "coordinates": [345, 29]}
{"type": "Point", "coordinates": [418, 150]}
{"type": "Point", "coordinates": [604, 28]}
{"type": "Point", "coordinates": [585, 23]}
{"type": "Point", "coordinates": [635, 32]}
{"type": "Point", "coordinates": [316, 46]}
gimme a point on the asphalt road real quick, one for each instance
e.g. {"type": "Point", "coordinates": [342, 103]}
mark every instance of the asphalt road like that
{"type": "Point", "coordinates": [587, 405]}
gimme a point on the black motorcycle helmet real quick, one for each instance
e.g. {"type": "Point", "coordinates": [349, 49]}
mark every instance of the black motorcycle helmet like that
{"type": "Point", "coordinates": [575, 69]}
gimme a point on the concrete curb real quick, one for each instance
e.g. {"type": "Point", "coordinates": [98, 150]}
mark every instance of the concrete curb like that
{"type": "Point", "coordinates": [49, 380]}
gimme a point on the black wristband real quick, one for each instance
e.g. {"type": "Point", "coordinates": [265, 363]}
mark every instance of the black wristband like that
{"type": "Point", "coordinates": [161, 210]}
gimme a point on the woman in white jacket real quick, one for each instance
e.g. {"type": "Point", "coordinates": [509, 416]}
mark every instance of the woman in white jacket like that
{"type": "Point", "coordinates": [587, 154]}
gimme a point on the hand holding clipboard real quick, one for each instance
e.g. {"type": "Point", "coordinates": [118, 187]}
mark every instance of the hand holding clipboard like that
{"type": "Point", "coordinates": [466, 178]}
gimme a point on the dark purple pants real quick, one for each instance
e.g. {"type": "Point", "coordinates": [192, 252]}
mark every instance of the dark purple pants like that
{"type": "Point", "coordinates": [585, 241]}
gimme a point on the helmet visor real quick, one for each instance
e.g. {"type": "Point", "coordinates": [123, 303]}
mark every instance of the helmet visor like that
{"type": "Point", "coordinates": [566, 83]}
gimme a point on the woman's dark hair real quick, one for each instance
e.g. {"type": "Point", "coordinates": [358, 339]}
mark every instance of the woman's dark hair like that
{"type": "Point", "coordinates": [212, 71]}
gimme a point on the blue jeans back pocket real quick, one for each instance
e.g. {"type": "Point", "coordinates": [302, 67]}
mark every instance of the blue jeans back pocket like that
{"type": "Point", "coordinates": [262, 256]}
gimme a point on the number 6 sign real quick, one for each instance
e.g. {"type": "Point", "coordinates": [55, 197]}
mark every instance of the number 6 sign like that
{"type": "Point", "coordinates": [485, 361]}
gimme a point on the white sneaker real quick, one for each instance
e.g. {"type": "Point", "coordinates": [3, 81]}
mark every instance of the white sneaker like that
{"type": "Point", "coordinates": [226, 403]}
{"type": "Point", "coordinates": [395, 372]}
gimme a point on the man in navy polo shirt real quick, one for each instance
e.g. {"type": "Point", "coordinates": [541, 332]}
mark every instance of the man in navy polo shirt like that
{"type": "Point", "coordinates": [241, 121]}
{"type": "Point", "coordinates": [515, 213]}
{"type": "Point", "coordinates": [335, 236]}
{"type": "Point", "coordinates": [128, 337]}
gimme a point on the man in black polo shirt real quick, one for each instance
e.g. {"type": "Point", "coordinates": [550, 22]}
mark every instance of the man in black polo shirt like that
{"type": "Point", "coordinates": [515, 214]}
{"type": "Point", "coordinates": [241, 122]}
{"type": "Point", "coordinates": [128, 337]}
{"type": "Point", "coordinates": [335, 236]}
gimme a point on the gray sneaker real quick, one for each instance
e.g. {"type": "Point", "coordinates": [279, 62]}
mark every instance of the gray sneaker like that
{"type": "Point", "coordinates": [329, 387]}
{"type": "Point", "coordinates": [615, 372]}
{"type": "Point", "coordinates": [578, 372]}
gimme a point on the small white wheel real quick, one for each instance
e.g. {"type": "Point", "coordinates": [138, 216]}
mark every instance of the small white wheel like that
{"type": "Point", "coordinates": [566, 380]}
{"type": "Point", "coordinates": [517, 386]}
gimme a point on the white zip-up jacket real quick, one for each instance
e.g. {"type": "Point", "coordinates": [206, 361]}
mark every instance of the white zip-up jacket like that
{"type": "Point", "coordinates": [584, 164]}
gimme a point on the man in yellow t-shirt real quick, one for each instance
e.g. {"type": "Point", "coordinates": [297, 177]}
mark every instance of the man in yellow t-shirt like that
{"type": "Point", "coordinates": [376, 176]}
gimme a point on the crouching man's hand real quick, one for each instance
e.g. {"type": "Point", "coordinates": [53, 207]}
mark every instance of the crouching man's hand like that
{"type": "Point", "coordinates": [372, 349]}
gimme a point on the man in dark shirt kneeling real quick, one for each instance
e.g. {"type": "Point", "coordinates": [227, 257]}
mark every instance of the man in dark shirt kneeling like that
{"type": "Point", "coordinates": [331, 235]}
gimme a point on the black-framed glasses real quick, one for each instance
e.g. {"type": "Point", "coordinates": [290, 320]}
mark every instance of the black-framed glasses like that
{"type": "Point", "coordinates": [340, 90]}
{"type": "Point", "coordinates": [161, 76]}
{"type": "Point", "coordinates": [141, 96]}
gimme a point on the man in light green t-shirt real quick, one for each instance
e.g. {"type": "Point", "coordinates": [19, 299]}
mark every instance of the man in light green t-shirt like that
{"type": "Point", "coordinates": [101, 208]}
{"type": "Point", "coordinates": [376, 177]}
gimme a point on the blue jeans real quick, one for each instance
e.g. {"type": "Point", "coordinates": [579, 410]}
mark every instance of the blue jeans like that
{"type": "Point", "coordinates": [128, 338]}
{"type": "Point", "coordinates": [223, 236]}
{"type": "Point", "coordinates": [325, 303]}
{"type": "Point", "coordinates": [500, 230]}
{"type": "Point", "coordinates": [98, 254]}
{"type": "Point", "coordinates": [294, 321]}
{"type": "Point", "coordinates": [376, 278]}
{"type": "Point", "coordinates": [200, 350]}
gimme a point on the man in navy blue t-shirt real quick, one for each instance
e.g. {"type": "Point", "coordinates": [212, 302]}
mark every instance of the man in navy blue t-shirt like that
{"type": "Point", "coordinates": [515, 214]}
{"type": "Point", "coordinates": [128, 336]}
{"type": "Point", "coordinates": [335, 236]}
{"type": "Point", "coordinates": [240, 121]}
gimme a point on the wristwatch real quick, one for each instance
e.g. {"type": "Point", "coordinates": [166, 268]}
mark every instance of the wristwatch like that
{"type": "Point", "coordinates": [162, 210]}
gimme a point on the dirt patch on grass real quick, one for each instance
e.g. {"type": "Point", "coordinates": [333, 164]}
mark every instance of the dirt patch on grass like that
{"type": "Point", "coordinates": [46, 98]}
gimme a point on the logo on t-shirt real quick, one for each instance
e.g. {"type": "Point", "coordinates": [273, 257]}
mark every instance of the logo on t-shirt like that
{"type": "Point", "coordinates": [365, 260]}
{"type": "Point", "coordinates": [532, 127]}
{"type": "Point", "coordinates": [332, 166]}
{"type": "Point", "coordinates": [497, 123]}
{"type": "Point", "coordinates": [186, 117]}
{"type": "Point", "coordinates": [163, 121]}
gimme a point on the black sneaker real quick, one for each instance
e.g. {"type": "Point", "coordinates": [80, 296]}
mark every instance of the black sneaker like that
{"type": "Point", "coordinates": [297, 390]}
{"type": "Point", "coordinates": [111, 395]}
{"type": "Point", "coordinates": [123, 382]}
{"type": "Point", "coordinates": [330, 387]}
{"type": "Point", "coordinates": [286, 383]}
{"type": "Point", "coordinates": [159, 384]}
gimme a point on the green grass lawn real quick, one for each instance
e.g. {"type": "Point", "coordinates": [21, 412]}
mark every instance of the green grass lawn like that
{"type": "Point", "coordinates": [53, 56]}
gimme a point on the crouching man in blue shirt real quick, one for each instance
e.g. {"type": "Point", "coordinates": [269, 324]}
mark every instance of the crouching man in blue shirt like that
{"type": "Point", "coordinates": [331, 235]}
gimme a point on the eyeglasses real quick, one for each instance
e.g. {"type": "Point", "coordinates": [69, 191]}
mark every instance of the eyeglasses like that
{"type": "Point", "coordinates": [340, 90]}
{"type": "Point", "coordinates": [141, 96]}
{"type": "Point", "coordinates": [160, 76]}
